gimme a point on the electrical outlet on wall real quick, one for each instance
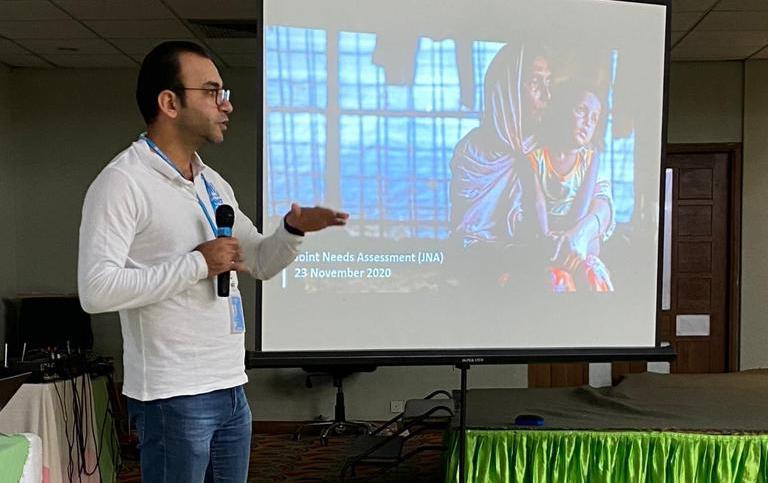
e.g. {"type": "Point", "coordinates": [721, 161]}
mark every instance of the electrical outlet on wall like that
{"type": "Point", "coordinates": [396, 406]}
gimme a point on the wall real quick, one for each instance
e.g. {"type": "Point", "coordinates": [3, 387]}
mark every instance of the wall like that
{"type": "Point", "coordinates": [7, 203]}
{"type": "Point", "coordinates": [67, 125]}
{"type": "Point", "coordinates": [754, 270]}
{"type": "Point", "coordinates": [728, 102]}
{"type": "Point", "coordinates": [705, 102]}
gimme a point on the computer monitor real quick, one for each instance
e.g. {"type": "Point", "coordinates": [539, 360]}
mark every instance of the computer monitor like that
{"type": "Point", "coordinates": [49, 321]}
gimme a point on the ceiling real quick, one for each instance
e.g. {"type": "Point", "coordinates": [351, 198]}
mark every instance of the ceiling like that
{"type": "Point", "coordinates": [117, 33]}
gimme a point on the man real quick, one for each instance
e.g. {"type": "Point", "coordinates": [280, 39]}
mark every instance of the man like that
{"type": "Point", "coordinates": [148, 249]}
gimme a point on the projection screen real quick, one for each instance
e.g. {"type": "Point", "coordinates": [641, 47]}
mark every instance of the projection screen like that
{"type": "Point", "coordinates": [500, 160]}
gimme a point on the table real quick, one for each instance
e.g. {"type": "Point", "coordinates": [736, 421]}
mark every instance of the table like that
{"type": "Point", "coordinates": [649, 428]}
{"type": "Point", "coordinates": [73, 421]}
{"type": "Point", "coordinates": [609, 456]}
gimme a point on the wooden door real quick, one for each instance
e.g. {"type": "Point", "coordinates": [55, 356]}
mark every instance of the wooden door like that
{"type": "Point", "coordinates": [705, 247]}
{"type": "Point", "coordinates": [700, 260]}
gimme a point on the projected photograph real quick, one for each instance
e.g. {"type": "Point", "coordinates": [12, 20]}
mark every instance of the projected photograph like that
{"type": "Point", "coordinates": [496, 153]}
{"type": "Point", "coordinates": [529, 150]}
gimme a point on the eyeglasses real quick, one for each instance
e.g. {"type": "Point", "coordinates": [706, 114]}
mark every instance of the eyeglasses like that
{"type": "Point", "coordinates": [221, 95]}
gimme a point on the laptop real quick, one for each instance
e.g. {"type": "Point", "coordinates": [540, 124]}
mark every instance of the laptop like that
{"type": "Point", "coordinates": [9, 385]}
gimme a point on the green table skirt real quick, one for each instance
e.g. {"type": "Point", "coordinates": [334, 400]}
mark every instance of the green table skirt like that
{"type": "Point", "coordinates": [13, 455]}
{"type": "Point", "coordinates": [517, 456]}
{"type": "Point", "coordinates": [104, 432]}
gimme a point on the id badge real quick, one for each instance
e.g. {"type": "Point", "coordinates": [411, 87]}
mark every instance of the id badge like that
{"type": "Point", "coordinates": [236, 316]}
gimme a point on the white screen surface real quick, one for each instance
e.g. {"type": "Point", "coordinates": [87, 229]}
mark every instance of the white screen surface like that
{"type": "Point", "coordinates": [500, 161]}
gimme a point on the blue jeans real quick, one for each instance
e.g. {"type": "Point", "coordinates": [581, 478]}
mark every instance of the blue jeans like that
{"type": "Point", "coordinates": [191, 439]}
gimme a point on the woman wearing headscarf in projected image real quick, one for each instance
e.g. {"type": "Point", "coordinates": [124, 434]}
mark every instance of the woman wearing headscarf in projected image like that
{"type": "Point", "coordinates": [486, 190]}
{"type": "Point", "coordinates": [574, 206]}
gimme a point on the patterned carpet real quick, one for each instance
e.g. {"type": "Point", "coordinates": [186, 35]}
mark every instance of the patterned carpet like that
{"type": "Point", "coordinates": [279, 458]}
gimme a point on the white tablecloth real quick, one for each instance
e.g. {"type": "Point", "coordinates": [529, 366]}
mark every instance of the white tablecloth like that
{"type": "Point", "coordinates": [33, 468]}
{"type": "Point", "coordinates": [48, 411]}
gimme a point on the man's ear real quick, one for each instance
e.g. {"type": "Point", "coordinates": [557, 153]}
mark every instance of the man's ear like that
{"type": "Point", "coordinates": [169, 103]}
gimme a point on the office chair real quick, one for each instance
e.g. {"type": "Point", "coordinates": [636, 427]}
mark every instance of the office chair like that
{"type": "Point", "coordinates": [385, 447]}
{"type": "Point", "coordinates": [340, 424]}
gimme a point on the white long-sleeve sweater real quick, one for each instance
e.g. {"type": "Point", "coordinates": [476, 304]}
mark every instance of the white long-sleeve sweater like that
{"type": "Point", "coordinates": [140, 224]}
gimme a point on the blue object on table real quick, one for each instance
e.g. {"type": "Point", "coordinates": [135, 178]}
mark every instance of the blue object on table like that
{"type": "Point", "coordinates": [529, 420]}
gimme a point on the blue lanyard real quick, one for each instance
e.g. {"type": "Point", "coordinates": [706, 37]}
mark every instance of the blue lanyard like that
{"type": "Point", "coordinates": [212, 194]}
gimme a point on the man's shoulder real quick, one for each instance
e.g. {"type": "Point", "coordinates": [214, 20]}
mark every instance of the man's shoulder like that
{"type": "Point", "coordinates": [122, 171]}
{"type": "Point", "coordinates": [128, 163]}
{"type": "Point", "coordinates": [128, 159]}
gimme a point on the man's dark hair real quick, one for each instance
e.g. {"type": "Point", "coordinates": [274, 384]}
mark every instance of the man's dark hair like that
{"type": "Point", "coordinates": [161, 70]}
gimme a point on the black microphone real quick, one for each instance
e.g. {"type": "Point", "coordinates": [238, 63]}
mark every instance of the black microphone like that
{"type": "Point", "coordinates": [225, 218]}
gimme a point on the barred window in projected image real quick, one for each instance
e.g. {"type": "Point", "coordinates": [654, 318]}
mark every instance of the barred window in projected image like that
{"type": "Point", "coordinates": [500, 161]}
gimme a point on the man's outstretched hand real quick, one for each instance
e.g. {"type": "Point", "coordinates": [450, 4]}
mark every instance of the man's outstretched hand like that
{"type": "Point", "coordinates": [317, 218]}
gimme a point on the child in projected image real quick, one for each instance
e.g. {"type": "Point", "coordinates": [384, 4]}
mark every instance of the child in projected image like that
{"type": "Point", "coordinates": [573, 206]}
